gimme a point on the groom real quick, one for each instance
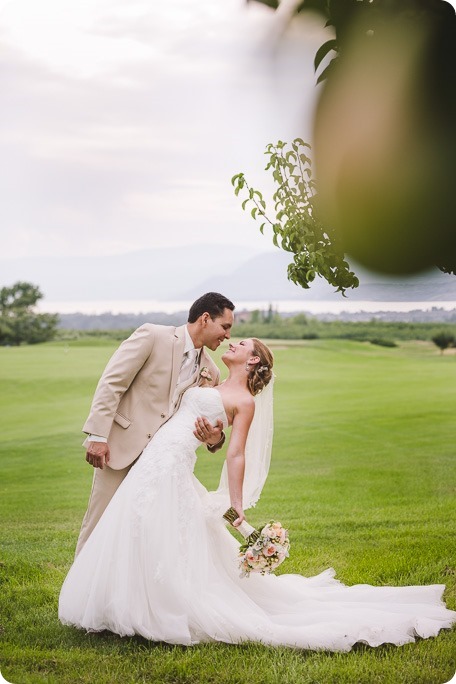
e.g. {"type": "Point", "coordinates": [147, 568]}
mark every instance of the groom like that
{"type": "Point", "coordinates": [141, 388]}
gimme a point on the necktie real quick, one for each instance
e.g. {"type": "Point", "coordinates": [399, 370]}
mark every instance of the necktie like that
{"type": "Point", "coordinates": [189, 364]}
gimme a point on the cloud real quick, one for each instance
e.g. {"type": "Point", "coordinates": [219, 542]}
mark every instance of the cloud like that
{"type": "Point", "coordinates": [123, 132]}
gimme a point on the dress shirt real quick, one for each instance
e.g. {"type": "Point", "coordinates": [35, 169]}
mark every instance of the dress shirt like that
{"type": "Point", "coordinates": [190, 359]}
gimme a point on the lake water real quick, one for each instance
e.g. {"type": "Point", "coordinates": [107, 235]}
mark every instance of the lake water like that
{"type": "Point", "coordinates": [314, 307]}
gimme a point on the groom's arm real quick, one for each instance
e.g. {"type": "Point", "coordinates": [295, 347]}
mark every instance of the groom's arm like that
{"type": "Point", "coordinates": [117, 377]}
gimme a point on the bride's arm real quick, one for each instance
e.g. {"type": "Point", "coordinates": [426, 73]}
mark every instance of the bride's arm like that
{"type": "Point", "coordinates": [235, 459]}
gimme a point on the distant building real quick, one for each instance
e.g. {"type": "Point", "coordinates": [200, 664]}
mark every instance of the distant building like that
{"type": "Point", "coordinates": [243, 316]}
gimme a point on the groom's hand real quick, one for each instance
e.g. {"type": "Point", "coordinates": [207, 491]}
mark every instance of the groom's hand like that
{"type": "Point", "coordinates": [97, 454]}
{"type": "Point", "coordinates": [207, 433]}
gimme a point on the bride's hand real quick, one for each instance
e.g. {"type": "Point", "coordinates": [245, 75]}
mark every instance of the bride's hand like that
{"type": "Point", "coordinates": [241, 517]}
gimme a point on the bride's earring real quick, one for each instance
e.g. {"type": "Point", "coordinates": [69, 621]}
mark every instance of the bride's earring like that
{"type": "Point", "coordinates": [247, 367]}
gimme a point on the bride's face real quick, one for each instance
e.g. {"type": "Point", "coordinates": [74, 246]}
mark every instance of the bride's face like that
{"type": "Point", "coordinates": [240, 353]}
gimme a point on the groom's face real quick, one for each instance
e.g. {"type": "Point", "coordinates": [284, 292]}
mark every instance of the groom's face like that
{"type": "Point", "coordinates": [218, 330]}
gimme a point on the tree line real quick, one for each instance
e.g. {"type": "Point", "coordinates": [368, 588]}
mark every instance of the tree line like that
{"type": "Point", "coordinates": [301, 327]}
{"type": "Point", "coordinates": [20, 323]}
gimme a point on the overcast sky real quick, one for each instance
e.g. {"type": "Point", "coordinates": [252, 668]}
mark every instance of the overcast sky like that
{"type": "Point", "coordinates": [122, 121]}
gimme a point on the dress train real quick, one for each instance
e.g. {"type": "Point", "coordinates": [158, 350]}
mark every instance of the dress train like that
{"type": "Point", "coordinates": [161, 565]}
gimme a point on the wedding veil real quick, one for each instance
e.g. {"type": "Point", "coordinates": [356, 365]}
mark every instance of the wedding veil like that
{"type": "Point", "coordinates": [257, 456]}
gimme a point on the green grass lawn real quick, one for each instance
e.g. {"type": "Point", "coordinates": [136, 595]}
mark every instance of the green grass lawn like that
{"type": "Point", "coordinates": [362, 474]}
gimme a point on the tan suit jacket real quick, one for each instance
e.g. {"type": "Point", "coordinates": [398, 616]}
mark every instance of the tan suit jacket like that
{"type": "Point", "coordinates": [137, 392]}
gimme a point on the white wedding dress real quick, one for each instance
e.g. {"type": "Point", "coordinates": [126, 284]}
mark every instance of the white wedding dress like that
{"type": "Point", "coordinates": [161, 564]}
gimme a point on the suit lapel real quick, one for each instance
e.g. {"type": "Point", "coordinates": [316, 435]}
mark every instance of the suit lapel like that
{"type": "Point", "coordinates": [178, 352]}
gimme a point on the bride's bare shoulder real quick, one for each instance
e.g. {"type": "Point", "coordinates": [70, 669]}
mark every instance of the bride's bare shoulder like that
{"type": "Point", "coordinates": [238, 403]}
{"type": "Point", "coordinates": [245, 403]}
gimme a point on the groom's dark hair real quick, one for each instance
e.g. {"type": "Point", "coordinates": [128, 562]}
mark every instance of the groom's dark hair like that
{"type": "Point", "coordinates": [213, 303]}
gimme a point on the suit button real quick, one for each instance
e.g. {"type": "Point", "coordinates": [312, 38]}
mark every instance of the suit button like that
{"type": "Point", "coordinates": [149, 436]}
{"type": "Point", "coordinates": [163, 415]}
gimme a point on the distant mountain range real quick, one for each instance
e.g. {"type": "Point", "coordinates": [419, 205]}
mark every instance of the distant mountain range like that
{"type": "Point", "coordinates": [264, 277]}
{"type": "Point", "coordinates": [161, 274]}
{"type": "Point", "coordinates": [183, 273]}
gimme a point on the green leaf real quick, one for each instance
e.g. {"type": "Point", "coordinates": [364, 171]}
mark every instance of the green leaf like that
{"type": "Point", "coordinates": [300, 141]}
{"type": "Point", "coordinates": [245, 202]}
{"type": "Point", "coordinates": [253, 212]}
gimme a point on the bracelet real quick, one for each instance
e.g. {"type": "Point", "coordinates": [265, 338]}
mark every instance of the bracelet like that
{"type": "Point", "coordinates": [221, 440]}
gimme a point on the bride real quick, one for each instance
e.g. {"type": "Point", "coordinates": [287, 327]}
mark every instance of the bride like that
{"type": "Point", "coordinates": [161, 563]}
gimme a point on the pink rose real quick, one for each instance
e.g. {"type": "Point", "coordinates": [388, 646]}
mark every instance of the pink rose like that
{"type": "Point", "coordinates": [269, 550]}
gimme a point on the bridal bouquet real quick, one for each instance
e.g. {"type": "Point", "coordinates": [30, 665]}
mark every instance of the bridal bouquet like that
{"type": "Point", "coordinates": [263, 551]}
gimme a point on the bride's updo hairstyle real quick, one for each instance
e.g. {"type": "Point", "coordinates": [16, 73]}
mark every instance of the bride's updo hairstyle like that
{"type": "Point", "coordinates": [261, 372]}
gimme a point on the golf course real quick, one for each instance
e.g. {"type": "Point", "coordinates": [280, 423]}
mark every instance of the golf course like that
{"type": "Point", "coordinates": [362, 476]}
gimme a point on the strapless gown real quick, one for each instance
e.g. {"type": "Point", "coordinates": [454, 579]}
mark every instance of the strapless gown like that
{"type": "Point", "coordinates": [160, 564]}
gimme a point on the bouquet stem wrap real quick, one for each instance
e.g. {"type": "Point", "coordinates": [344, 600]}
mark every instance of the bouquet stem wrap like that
{"type": "Point", "coordinates": [248, 531]}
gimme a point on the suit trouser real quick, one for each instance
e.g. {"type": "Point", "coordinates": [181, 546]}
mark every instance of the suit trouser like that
{"type": "Point", "coordinates": [104, 485]}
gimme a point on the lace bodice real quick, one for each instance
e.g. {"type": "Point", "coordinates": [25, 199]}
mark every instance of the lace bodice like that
{"type": "Point", "coordinates": [197, 401]}
{"type": "Point", "coordinates": [175, 441]}
{"type": "Point", "coordinates": [201, 401]}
